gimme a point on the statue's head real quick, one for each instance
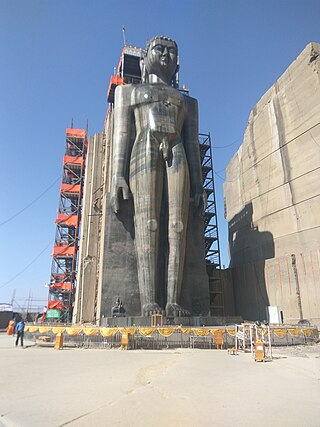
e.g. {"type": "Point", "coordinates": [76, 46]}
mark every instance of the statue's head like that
{"type": "Point", "coordinates": [161, 59]}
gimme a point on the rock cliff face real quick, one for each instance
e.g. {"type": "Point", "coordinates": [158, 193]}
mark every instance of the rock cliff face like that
{"type": "Point", "coordinates": [272, 198]}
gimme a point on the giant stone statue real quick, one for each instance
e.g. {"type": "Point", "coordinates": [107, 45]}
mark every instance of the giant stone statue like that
{"type": "Point", "coordinates": [155, 139]}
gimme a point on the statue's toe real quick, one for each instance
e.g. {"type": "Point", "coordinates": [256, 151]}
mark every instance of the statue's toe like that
{"type": "Point", "coordinates": [149, 309]}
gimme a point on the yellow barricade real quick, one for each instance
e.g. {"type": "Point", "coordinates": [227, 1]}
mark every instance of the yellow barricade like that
{"type": "Point", "coordinates": [91, 331]}
{"type": "Point", "coordinates": [231, 332]}
{"type": "Point", "coordinates": [73, 331]}
{"type": "Point", "coordinates": [44, 329]}
{"type": "Point", "coordinates": [108, 332]}
{"type": "Point", "coordinates": [200, 332]}
{"type": "Point", "coordinates": [58, 329]}
{"type": "Point", "coordinates": [294, 332]}
{"type": "Point", "coordinates": [280, 333]}
{"type": "Point", "coordinates": [166, 332]}
{"type": "Point", "coordinates": [146, 331]}
{"type": "Point", "coordinates": [33, 328]}
{"type": "Point", "coordinates": [129, 331]}
{"type": "Point", "coordinates": [185, 331]}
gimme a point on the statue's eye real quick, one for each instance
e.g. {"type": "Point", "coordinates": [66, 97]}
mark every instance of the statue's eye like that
{"type": "Point", "coordinates": [158, 48]}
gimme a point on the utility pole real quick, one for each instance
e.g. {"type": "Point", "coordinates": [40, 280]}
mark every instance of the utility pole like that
{"type": "Point", "coordinates": [124, 36]}
{"type": "Point", "coordinates": [295, 272]}
{"type": "Point", "coordinates": [13, 297]}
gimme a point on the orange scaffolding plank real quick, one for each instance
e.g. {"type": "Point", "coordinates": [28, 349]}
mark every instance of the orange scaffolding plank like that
{"type": "Point", "coordinates": [78, 133]}
{"type": "Point", "coordinates": [64, 286]}
{"type": "Point", "coordinates": [114, 82]}
{"type": "Point", "coordinates": [63, 250]}
{"type": "Point", "coordinates": [70, 188]}
{"type": "Point", "coordinates": [54, 304]}
{"type": "Point", "coordinates": [68, 220]}
{"type": "Point", "coordinates": [73, 160]}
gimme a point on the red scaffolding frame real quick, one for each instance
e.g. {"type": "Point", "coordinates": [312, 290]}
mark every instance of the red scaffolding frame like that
{"type": "Point", "coordinates": [65, 250]}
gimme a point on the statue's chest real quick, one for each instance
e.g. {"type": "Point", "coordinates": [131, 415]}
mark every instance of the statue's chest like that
{"type": "Point", "coordinates": [157, 98]}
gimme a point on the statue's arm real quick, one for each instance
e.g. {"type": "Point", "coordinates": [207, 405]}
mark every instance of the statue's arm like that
{"type": "Point", "coordinates": [191, 144]}
{"type": "Point", "coordinates": [121, 140]}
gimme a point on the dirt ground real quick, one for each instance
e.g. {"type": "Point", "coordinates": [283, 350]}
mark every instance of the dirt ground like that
{"type": "Point", "coordinates": [190, 388]}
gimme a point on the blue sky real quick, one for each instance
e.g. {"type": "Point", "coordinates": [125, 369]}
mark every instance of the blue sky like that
{"type": "Point", "coordinates": [56, 61]}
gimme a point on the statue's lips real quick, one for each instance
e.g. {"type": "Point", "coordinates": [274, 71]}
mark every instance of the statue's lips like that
{"type": "Point", "coordinates": [164, 61]}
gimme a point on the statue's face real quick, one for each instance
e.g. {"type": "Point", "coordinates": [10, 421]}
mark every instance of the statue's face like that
{"type": "Point", "coordinates": [161, 59]}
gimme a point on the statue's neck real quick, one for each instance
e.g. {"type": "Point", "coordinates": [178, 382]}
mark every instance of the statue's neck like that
{"type": "Point", "coordinates": [155, 79]}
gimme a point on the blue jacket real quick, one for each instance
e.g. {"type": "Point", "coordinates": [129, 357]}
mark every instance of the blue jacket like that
{"type": "Point", "coordinates": [20, 327]}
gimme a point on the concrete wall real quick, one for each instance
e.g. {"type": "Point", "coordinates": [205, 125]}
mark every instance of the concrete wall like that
{"type": "Point", "coordinates": [272, 197]}
{"type": "Point", "coordinates": [5, 316]}
{"type": "Point", "coordinates": [87, 278]}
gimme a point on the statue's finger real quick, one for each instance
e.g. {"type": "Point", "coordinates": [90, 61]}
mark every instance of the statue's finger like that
{"type": "Point", "coordinates": [115, 204]}
{"type": "Point", "coordinates": [125, 193]}
{"type": "Point", "coordinates": [196, 200]}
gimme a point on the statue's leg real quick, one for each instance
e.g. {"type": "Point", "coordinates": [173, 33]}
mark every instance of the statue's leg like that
{"type": "Point", "coordinates": [146, 183]}
{"type": "Point", "coordinates": [178, 205]}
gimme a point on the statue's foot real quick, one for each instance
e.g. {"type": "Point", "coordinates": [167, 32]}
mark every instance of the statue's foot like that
{"type": "Point", "coordinates": [151, 308]}
{"type": "Point", "coordinates": [175, 310]}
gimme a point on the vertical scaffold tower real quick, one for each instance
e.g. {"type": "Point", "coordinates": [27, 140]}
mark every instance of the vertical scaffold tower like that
{"type": "Point", "coordinates": [65, 250]}
{"type": "Point", "coordinates": [212, 249]}
{"type": "Point", "coordinates": [211, 235]}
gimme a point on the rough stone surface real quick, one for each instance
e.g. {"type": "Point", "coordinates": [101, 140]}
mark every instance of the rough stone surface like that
{"type": "Point", "coordinates": [87, 280]}
{"type": "Point", "coordinates": [272, 197]}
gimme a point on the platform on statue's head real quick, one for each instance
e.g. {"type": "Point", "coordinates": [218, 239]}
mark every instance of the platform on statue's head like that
{"type": "Point", "coordinates": [195, 321]}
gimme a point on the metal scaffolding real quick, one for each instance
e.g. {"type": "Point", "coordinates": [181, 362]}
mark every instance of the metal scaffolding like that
{"type": "Point", "coordinates": [212, 249]}
{"type": "Point", "coordinates": [65, 250]}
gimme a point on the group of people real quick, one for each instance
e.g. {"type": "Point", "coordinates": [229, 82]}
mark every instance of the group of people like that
{"type": "Point", "coordinates": [16, 327]}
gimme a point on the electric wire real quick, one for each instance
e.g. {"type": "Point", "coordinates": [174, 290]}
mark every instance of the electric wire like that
{"type": "Point", "coordinates": [228, 145]}
{"type": "Point", "coordinates": [219, 176]}
{"type": "Point", "coordinates": [275, 150]}
{"type": "Point", "coordinates": [27, 266]}
{"type": "Point", "coordinates": [31, 203]}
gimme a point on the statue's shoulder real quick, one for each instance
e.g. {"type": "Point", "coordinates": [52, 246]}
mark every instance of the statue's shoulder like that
{"type": "Point", "coordinates": [124, 89]}
{"type": "Point", "coordinates": [190, 100]}
{"type": "Point", "coordinates": [122, 94]}
{"type": "Point", "coordinates": [192, 103]}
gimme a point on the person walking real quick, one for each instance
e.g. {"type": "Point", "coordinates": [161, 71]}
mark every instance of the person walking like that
{"type": "Point", "coordinates": [20, 332]}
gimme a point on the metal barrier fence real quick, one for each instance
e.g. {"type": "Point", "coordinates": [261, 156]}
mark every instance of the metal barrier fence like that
{"type": "Point", "coordinates": [201, 338]}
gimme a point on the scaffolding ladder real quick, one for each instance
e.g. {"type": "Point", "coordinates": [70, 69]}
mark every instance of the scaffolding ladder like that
{"type": "Point", "coordinates": [65, 250]}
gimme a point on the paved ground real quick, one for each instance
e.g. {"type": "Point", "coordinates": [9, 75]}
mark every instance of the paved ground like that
{"type": "Point", "coordinates": [189, 388]}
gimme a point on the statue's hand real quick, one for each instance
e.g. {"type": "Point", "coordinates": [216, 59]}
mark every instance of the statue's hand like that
{"type": "Point", "coordinates": [119, 185]}
{"type": "Point", "coordinates": [200, 201]}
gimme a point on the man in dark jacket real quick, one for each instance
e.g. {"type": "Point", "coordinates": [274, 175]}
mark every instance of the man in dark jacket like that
{"type": "Point", "coordinates": [20, 332]}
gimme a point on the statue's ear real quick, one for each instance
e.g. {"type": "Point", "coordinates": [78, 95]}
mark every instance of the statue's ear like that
{"type": "Point", "coordinates": [175, 78]}
{"type": "Point", "coordinates": [143, 71]}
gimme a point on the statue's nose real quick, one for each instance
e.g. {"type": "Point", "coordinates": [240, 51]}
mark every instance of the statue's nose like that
{"type": "Point", "coordinates": [165, 52]}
